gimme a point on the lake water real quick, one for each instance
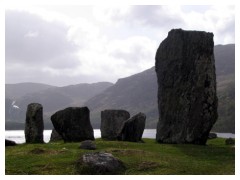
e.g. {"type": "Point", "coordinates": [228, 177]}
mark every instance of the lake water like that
{"type": "Point", "coordinates": [18, 135]}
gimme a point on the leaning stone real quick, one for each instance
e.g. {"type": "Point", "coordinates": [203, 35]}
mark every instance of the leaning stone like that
{"type": "Point", "coordinates": [34, 124]}
{"type": "Point", "coordinates": [99, 163]}
{"type": "Point", "coordinates": [187, 99]}
{"type": "Point", "coordinates": [111, 122]}
{"type": "Point", "coordinates": [9, 143]}
{"type": "Point", "coordinates": [55, 136]}
{"type": "Point", "coordinates": [73, 124]}
{"type": "Point", "coordinates": [88, 144]}
{"type": "Point", "coordinates": [132, 129]}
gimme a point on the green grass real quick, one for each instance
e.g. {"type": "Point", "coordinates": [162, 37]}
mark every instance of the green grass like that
{"type": "Point", "coordinates": [139, 158]}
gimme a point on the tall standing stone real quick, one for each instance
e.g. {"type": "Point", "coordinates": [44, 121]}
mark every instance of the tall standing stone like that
{"type": "Point", "coordinates": [34, 123]}
{"type": "Point", "coordinates": [73, 124]}
{"type": "Point", "coordinates": [111, 122]}
{"type": "Point", "coordinates": [187, 100]}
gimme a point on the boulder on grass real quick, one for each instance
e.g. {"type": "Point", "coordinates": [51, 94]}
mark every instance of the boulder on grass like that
{"type": "Point", "coordinates": [99, 163]}
{"type": "Point", "coordinates": [88, 144]}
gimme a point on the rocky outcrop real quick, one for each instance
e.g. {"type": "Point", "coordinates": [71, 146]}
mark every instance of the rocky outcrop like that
{"type": "Point", "coordinates": [99, 163]}
{"type": "Point", "coordinates": [132, 129]}
{"type": "Point", "coordinates": [187, 100]}
{"type": "Point", "coordinates": [34, 123]}
{"type": "Point", "coordinates": [88, 144]}
{"type": "Point", "coordinates": [73, 124]}
{"type": "Point", "coordinates": [55, 136]}
{"type": "Point", "coordinates": [9, 143]}
{"type": "Point", "coordinates": [111, 122]}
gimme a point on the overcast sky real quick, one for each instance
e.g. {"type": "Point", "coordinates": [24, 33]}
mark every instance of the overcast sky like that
{"type": "Point", "coordinates": [63, 45]}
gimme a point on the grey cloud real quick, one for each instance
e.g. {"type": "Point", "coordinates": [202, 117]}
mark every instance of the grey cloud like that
{"type": "Point", "coordinates": [149, 15]}
{"type": "Point", "coordinates": [136, 54]}
{"type": "Point", "coordinates": [31, 40]}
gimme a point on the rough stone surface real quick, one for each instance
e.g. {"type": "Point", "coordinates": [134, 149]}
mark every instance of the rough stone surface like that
{"type": "Point", "coordinates": [9, 143]}
{"type": "Point", "coordinates": [111, 122]}
{"type": "Point", "coordinates": [73, 124]}
{"type": "Point", "coordinates": [88, 144]}
{"type": "Point", "coordinates": [55, 136]}
{"type": "Point", "coordinates": [132, 129]}
{"type": "Point", "coordinates": [99, 163]}
{"type": "Point", "coordinates": [34, 123]}
{"type": "Point", "coordinates": [187, 100]}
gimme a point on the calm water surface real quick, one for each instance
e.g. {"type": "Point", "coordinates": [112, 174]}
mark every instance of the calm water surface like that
{"type": "Point", "coordinates": [18, 136]}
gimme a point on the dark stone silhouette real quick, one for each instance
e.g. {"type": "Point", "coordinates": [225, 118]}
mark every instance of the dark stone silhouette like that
{"type": "Point", "coordinates": [111, 122]}
{"type": "Point", "coordinates": [55, 136]}
{"type": "Point", "coordinates": [212, 136]}
{"type": "Point", "coordinates": [187, 100]}
{"type": "Point", "coordinates": [88, 144]}
{"type": "Point", "coordinates": [132, 129]}
{"type": "Point", "coordinates": [73, 124]}
{"type": "Point", "coordinates": [9, 143]}
{"type": "Point", "coordinates": [34, 123]}
{"type": "Point", "coordinates": [99, 163]}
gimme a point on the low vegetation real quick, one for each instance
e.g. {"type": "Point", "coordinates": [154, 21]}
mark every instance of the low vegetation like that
{"type": "Point", "coordinates": [139, 158]}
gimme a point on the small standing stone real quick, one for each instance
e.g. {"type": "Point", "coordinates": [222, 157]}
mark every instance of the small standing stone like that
{"type": "Point", "coordinates": [132, 129]}
{"type": "Point", "coordinates": [111, 122]}
{"type": "Point", "coordinates": [34, 124]}
{"type": "Point", "coordinates": [55, 136]}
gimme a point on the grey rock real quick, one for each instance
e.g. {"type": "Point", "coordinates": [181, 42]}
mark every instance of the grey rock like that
{"type": "Point", "coordinates": [132, 129]}
{"type": "Point", "coordinates": [88, 144]}
{"type": "Point", "coordinates": [55, 136]}
{"type": "Point", "coordinates": [10, 143]}
{"type": "Point", "coordinates": [99, 163]}
{"type": "Point", "coordinates": [111, 122]}
{"type": "Point", "coordinates": [73, 124]}
{"type": "Point", "coordinates": [212, 136]}
{"type": "Point", "coordinates": [187, 100]}
{"type": "Point", "coordinates": [34, 123]}
{"type": "Point", "coordinates": [230, 141]}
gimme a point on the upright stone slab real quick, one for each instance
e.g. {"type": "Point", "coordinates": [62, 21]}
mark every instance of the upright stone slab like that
{"type": "Point", "coordinates": [132, 129]}
{"type": "Point", "coordinates": [73, 124]}
{"type": "Point", "coordinates": [111, 122]}
{"type": "Point", "coordinates": [187, 100]}
{"type": "Point", "coordinates": [34, 123]}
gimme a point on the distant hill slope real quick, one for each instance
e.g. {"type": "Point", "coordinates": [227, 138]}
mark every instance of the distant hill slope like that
{"type": "Point", "coordinates": [135, 94]}
{"type": "Point", "coordinates": [52, 99]}
{"type": "Point", "coordinates": [138, 93]}
{"type": "Point", "coordinates": [14, 91]}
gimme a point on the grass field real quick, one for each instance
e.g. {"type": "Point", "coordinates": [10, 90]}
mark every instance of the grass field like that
{"type": "Point", "coordinates": [140, 158]}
